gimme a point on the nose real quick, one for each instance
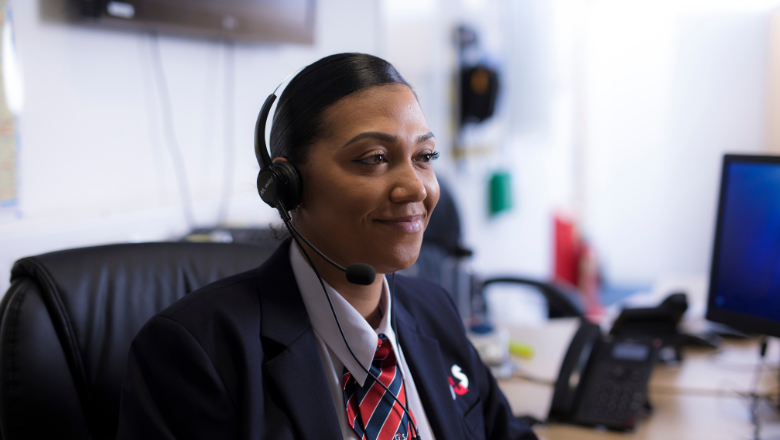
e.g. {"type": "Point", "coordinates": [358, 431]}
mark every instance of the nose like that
{"type": "Point", "coordinates": [407, 185]}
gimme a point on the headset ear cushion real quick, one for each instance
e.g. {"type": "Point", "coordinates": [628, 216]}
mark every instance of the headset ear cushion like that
{"type": "Point", "coordinates": [268, 186]}
{"type": "Point", "coordinates": [291, 194]}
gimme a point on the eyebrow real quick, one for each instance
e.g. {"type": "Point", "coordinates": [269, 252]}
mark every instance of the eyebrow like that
{"type": "Point", "coordinates": [385, 137]}
{"type": "Point", "coordinates": [425, 137]}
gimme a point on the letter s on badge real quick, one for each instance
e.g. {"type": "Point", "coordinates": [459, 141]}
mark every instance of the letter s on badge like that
{"type": "Point", "coordinates": [463, 382]}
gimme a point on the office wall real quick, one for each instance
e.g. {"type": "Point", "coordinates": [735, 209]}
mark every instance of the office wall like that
{"type": "Point", "coordinates": [94, 165]}
{"type": "Point", "coordinates": [773, 84]}
{"type": "Point", "coordinates": [667, 89]}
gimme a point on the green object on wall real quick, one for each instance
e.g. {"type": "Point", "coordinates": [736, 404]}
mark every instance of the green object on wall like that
{"type": "Point", "coordinates": [500, 192]}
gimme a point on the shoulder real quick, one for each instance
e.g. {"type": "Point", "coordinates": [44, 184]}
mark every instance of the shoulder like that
{"type": "Point", "coordinates": [235, 301]}
{"type": "Point", "coordinates": [429, 303]}
{"type": "Point", "coordinates": [225, 310]}
{"type": "Point", "coordinates": [231, 309]}
{"type": "Point", "coordinates": [223, 297]}
{"type": "Point", "coordinates": [417, 292]}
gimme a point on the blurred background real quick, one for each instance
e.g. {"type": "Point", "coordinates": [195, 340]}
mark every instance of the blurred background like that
{"type": "Point", "coordinates": [581, 139]}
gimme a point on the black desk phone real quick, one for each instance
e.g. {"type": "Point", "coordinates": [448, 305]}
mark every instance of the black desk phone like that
{"type": "Point", "coordinates": [603, 380]}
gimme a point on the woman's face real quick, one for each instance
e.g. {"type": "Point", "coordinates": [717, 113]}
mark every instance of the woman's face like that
{"type": "Point", "coordinates": [368, 183]}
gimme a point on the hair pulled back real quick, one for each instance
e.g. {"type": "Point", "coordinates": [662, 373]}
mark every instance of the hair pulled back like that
{"type": "Point", "coordinates": [298, 123]}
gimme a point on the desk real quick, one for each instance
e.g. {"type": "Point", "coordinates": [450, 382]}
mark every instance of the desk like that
{"type": "Point", "coordinates": [699, 399]}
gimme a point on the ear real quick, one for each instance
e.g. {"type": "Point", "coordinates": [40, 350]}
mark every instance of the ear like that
{"type": "Point", "coordinates": [280, 159]}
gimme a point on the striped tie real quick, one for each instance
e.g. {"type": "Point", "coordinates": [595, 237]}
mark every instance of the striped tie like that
{"type": "Point", "coordinates": [372, 412]}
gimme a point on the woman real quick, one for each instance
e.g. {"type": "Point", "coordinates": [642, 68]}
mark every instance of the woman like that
{"type": "Point", "coordinates": [260, 355]}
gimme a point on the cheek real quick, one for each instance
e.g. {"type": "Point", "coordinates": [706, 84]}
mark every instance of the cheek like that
{"type": "Point", "coordinates": [335, 198]}
{"type": "Point", "coordinates": [432, 189]}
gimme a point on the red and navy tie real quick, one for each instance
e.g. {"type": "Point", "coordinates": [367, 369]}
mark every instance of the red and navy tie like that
{"type": "Point", "coordinates": [371, 411]}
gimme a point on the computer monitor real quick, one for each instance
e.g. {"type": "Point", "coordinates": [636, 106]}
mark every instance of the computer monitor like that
{"type": "Point", "coordinates": [745, 273]}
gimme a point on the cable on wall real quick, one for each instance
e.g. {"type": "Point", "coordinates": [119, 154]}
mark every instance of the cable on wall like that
{"type": "Point", "coordinates": [229, 147]}
{"type": "Point", "coordinates": [170, 134]}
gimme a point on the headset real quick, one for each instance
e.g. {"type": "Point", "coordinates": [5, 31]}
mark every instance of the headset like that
{"type": "Point", "coordinates": [279, 185]}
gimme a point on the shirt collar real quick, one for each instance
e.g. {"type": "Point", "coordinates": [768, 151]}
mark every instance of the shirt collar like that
{"type": "Point", "coordinates": [362, 338]}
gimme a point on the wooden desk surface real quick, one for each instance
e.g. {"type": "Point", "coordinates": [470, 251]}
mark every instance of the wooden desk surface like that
{"type": "Point", "coordinates": [699, 399]}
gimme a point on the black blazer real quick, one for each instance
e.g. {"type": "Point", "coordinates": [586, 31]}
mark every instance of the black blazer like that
{"type": "Point", "coordinates": [238, 359]}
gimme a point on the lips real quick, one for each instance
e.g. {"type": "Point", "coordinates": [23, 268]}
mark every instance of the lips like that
{"type": "Point", "coordinates": [410, 223]}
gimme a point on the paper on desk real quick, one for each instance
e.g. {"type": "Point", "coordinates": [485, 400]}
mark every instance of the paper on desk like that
{"type": "Point", "coordinates": [550, 342]}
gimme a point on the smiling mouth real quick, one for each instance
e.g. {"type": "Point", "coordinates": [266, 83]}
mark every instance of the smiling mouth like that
{"type": "Point", "coordinates": [410, 224]}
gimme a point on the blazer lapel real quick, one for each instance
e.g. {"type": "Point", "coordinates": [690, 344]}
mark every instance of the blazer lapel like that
{"type": "Point", "coordinates": [298, 375]}
{"type": "Point", "coordinates": [297, 371]}
{"type": "Point", "coordinates": [423, 357]}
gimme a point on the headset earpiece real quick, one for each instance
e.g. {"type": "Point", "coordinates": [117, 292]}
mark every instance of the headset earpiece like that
{"type": "Point", "coordinates": [278, 184]}
{"type": "Point", "coordinates": [291, 192]}
{"type": "Point", "coordinates": [268, 186]}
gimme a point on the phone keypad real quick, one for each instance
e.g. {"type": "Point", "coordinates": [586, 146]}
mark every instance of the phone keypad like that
{"type": "Point", "coordinates": [616, 396]}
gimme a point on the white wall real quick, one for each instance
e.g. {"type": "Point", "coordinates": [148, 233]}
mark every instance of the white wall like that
{"type": "Point", "coordinates": [93, 162]}
{"type": "Point", "coordinates": [668, 88]}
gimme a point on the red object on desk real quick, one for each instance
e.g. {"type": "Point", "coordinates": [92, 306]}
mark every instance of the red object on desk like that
{"type": "Point", "coordinates": [576, 264]}
{"type": "Point", "coordinates": [567, 250]}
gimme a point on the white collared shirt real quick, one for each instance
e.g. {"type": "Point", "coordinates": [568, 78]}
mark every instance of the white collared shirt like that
{"type": "Point", "coordinates": [362, 338]}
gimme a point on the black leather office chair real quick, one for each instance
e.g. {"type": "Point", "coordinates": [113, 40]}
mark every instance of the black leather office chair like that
{"type": "Point", "coordinates": [67, 321]}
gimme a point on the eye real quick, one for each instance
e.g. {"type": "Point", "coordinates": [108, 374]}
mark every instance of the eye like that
{"type": "Point", "coordinates": [429, 157]}
{"type": "Point", "coordinates": [374, 159]}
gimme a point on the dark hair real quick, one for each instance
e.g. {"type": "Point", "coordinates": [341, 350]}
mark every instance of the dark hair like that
{"type": "Point", "coordinates": [298, 119]}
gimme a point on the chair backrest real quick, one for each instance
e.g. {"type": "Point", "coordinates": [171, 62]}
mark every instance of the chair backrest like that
{"type": "Point", "coordinates": [67, 321]}
{"type": "Point", "coordinates": [440, 250]}
{"type": "Point", "coordinates": [444, 225]}
{"type": "Point", "coordinates": [442, 259]}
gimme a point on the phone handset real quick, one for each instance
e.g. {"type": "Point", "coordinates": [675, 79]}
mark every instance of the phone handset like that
{"type": "Point", "coordinates": [570, 380]}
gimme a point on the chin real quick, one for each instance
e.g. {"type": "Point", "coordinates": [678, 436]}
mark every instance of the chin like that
{"type": "Point", "coordinates": [395, 256]}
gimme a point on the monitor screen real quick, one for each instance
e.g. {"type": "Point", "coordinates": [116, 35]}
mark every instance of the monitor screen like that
{"type": "Point", "coordinates": [745, 273]}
